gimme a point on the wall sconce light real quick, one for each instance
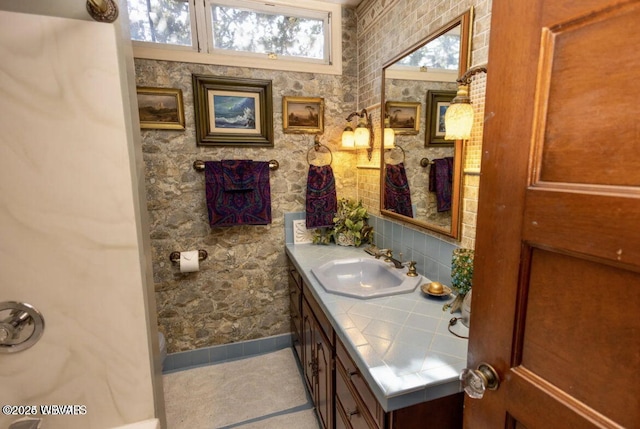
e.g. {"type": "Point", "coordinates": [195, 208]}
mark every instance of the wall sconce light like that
{"type": "Point", "coordinates": [389, 134]}
{"type": "Point", "coordinates": [362, 136]}
{"type": "Point", "coordinates": [458, 119]}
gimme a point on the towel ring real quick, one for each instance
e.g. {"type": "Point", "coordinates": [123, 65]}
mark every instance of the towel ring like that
{"type": "Point", "coordinates": [316, 146]}
{"type": "Point", "coordinates": [404, 155]}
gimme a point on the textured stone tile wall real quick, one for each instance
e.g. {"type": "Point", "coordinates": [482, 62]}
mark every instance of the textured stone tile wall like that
{"type": "Point", "coordinates": [240, 292]}
{"type": "Point", "coordinates": [388, 27]}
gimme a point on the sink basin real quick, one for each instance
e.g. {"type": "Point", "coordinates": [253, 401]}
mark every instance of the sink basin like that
{"type": "Point", "coordinates": [364, 278]}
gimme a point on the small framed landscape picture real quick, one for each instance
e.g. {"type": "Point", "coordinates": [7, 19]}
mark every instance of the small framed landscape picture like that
{"type": "Point", "coordinates": [160, 108]}
{"type": "Point", "coordinates": [303, 115]}
{"type": "Point", "coordinates": [404, 116]}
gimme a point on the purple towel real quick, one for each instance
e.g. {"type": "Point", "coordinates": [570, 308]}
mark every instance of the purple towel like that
{"type": "Point", "coordinates": [440, 182]}
{"type": "Point", "coordinates": [397, 195]}
{"type": "Point", "coordinates": [238, 175]}
{"type": "Point", "coordinates": [322, 203]}
{"type": "Point", "coordinates": [229, 208]}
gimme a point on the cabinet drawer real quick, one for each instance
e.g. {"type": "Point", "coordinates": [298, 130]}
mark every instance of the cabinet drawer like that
{"type": "Point", "coordinates": [350, 410]}
{"type": "Point", "coordinates": [359, 385]}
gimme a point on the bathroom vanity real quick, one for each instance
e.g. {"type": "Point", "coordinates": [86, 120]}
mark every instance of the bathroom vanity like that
{"type": "Point", "coordinates": [380, 363]}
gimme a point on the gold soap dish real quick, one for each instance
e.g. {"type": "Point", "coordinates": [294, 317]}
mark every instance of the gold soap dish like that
{"type": "Point", "coordinates": [436, 289]}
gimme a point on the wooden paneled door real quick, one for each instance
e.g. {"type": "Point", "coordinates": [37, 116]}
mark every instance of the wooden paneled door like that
{"type": "Point", "coordinates": [556, 295]}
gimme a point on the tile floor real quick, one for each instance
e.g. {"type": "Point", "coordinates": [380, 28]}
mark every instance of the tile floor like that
{"type": "Point", "coordinates": [265, 391]}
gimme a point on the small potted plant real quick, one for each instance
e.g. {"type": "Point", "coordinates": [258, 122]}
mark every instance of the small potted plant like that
{"type": "Point", "coordinates": [350, 226]}
{"type": "Point", "coordinates": [461, 276]}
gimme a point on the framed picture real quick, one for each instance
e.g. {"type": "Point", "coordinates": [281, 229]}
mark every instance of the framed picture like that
{"type": "Point", "coordinates": [437, 104]}
{"type": "Point", "coordinates": [303, 115]}
{"type": "Point", "coordinates": [232, 111]}
{"type": "Point", "coordinates": [160, 108]}
{"type": "Point", "coordinates": [404, 117]}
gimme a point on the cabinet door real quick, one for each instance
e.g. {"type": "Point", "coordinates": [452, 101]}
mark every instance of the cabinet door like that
{"type": "Point", "coordinates": [308, 346]}
{"type": "Point", "coordinates": [324, 379]}
{"type": "Point", "coordinates": [295, 310]}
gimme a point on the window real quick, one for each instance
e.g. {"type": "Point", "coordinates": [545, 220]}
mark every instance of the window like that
{"type": "Point", "coordinates": [244, 33]}
{"type": "Point", "coordinates": [161, 21]}
{"type": "Point", "coordinates": [441, 53]}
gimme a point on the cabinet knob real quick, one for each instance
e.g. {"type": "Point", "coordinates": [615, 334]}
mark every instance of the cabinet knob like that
{"type": "Point", "coordinates": [352, 372]}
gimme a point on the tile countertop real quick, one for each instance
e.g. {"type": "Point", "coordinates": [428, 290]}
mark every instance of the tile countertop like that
{"type": "Point", "coordinates": [400, 343]}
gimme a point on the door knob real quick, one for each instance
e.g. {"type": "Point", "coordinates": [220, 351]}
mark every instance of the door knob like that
{"type": "Point", "coordinates": [476, 381]}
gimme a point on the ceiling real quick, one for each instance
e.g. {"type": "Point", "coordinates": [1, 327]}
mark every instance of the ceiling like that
{"type": "Point", "coordinates": [77, 8]}
{"type": "Point", "coordinates": [352, 3]}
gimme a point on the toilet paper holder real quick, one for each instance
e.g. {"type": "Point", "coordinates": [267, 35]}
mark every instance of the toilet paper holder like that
{"type": "Point", "coordinates": [175, 256]}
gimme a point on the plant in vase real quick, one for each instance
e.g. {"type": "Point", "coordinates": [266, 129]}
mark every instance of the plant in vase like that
{"type": "Point", "coordinates": [461, 276]}
{"type": "Point", "coordinates": [350, 226]}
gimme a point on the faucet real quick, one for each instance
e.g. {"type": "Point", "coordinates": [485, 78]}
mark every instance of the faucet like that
{"type": "Point", "coordinates": [387, 253]}
{"type": "Point", "coordinates": [377, 253]}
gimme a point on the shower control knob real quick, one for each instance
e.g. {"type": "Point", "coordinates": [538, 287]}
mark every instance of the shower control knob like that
{"type": "Point", "coordinates": [476, 381]}
{"type": "Point", "coordinates": [4, 333]}
{"type": "Point", "coordinates": [21, 326]}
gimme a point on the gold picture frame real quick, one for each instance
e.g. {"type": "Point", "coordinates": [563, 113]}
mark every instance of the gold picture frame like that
{"type": "Point", "coordinates": [303, 115]}
{"type": "Point", "coordinates": [160, 108]}
{"type": "Point", "coordinates": [404, 116]}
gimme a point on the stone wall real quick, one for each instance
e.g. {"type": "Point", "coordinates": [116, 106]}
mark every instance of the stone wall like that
{"type": "Point", "coordinates": [240, 292]}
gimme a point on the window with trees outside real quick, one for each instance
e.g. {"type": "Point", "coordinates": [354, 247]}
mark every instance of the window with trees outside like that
{"type": "Point", "coordinates": [275, 35]}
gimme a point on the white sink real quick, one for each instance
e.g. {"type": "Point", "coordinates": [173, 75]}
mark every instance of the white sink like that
{"type": "Point", "coordinates": [364, 278]}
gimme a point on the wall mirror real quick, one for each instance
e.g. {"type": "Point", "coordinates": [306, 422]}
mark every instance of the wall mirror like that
{"type": "Point", "coordinates": [421, 173]}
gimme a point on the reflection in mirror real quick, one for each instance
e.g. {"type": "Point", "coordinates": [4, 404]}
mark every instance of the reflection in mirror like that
{"type": "Point", "coordinates": [420, 171]}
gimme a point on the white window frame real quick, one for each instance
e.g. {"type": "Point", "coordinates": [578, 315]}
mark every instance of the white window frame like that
{"type": "Point", "coordinates": [201, 31]}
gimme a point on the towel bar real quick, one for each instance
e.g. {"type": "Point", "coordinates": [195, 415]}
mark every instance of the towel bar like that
{"type": "Point", "coordinates": [425, 162]}
{"type": "Point", "coordinates": [175, 256]}
{"type": "Point", "coordinates": [198, 165]}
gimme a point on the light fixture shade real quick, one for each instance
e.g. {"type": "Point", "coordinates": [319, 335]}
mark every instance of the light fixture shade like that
{"type": "Point", "coordinates": [389, 135]}
{"type": "Point", "coordinates": [348, 138]}
{"type": "Point", "coordinates": [458, 121]}
{"type": "Point", "coordinates": [389, 138]}
{"type": "Point", "coordinates": [362, 136]}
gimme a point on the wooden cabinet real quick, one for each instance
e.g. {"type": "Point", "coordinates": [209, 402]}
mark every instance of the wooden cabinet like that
{"type": "Point", "coordinates": [317, 358]}
{"type": "Point", "coordinates": [319, 365]}
{"type": "Point", "coordinates": [341, 395]}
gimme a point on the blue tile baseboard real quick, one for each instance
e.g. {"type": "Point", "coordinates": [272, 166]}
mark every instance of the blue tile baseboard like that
{"type": "Point", "coordinates": [225, 352]}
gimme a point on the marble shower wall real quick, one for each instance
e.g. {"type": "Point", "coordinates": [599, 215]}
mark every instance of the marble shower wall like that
{"type": "Point", "coordinates": [240, 292]}
{"type": "Point", "coordinates": [70, 226]}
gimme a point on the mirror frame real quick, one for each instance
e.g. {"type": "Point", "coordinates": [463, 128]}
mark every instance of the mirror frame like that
{"type": "Point", "coordinates": [466, 22]}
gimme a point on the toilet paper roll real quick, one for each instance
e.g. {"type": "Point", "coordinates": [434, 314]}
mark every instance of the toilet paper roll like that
{"type": "Point", "coordinates": [189, 261]}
